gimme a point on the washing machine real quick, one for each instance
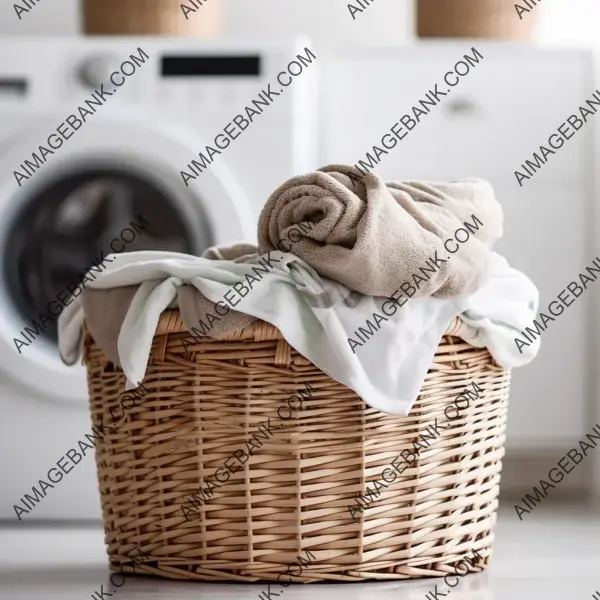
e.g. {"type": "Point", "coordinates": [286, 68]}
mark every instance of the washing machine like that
{"type": "Point", "coordinates": [120, 170]}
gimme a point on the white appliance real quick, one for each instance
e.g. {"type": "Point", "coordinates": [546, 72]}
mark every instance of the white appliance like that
{"type": "Point", "coordinates": [124, 161]}
{"type": "Point", "coordinates": [487, 126]}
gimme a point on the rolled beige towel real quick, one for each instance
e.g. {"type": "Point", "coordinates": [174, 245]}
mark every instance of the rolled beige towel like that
{"type": "Point", "coordinates": [373, 236]}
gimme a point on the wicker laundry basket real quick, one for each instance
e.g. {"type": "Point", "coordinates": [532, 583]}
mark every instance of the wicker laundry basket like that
{"type": "Point", "coordinates": [292, 495]}
{"type": "Point", "coordinates": [495, 19]}
{"type": "Point", "coordinates": [151, 17]}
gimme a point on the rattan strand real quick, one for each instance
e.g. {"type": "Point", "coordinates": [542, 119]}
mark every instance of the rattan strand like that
{"type": "Point", "coordinates": [293, 494]}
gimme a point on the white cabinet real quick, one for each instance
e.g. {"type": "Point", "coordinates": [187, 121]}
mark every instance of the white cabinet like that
{"type": "Point", "coordinates": [546, 237]}
{"type": "Point", "coordinates": [487, 126]}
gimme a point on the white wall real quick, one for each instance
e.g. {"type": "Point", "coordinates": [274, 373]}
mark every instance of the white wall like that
{"type": "Point", "coordinates": [327, 22]}
{"type": "Point", "coordinates": [51, 17]}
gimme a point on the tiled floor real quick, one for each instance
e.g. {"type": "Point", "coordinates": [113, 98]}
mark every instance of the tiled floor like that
{"type": "Point", "coordinates": [551, 555]}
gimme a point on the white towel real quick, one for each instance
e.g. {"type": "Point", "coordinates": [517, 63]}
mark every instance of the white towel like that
{"type": "Point", "coordinates": [499, 311]}
{"type": "Point", "coordinates": [387, 371]}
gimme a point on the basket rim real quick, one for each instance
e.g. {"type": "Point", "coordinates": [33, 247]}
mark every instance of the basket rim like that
{"type": "Point", "coordinates": [170, 322]}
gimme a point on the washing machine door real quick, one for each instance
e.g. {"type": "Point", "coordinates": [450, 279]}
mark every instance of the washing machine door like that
{"type": "Point", "coordinates": [109, 174]}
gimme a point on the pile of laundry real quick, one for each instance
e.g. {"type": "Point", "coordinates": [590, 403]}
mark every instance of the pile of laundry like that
{"type": "Point", "coordinates": [361, 277]}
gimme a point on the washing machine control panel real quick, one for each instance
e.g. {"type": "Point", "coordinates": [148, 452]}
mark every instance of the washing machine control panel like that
{"type": "Point", "coordinates": [96, 69]}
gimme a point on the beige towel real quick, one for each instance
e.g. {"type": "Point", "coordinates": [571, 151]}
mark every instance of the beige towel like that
{"type": "Point", "coordinates": [105, 311]}
{"type": "Point", "coordinates": [372, 237]}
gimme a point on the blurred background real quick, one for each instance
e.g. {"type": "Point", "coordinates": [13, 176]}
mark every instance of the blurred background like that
{"type": "Point", "coordinates": [126, 162]}
{"type": "Point", "coordinates": [391, 23]}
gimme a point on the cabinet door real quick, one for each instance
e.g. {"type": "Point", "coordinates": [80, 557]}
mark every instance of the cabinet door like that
{"type": "Point", "coordinates": [487, 126]}
{"type": "Point", "coordinates": [547, 236]}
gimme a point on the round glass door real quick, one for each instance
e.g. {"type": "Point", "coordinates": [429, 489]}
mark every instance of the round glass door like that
{"type": "Point", "coordinates": [72, 223]}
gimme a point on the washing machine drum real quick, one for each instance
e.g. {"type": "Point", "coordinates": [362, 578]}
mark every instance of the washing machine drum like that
{"type": "Point", "coordinates": [116, 189]}
{"type": "Point", "coordinates": [79, 219]}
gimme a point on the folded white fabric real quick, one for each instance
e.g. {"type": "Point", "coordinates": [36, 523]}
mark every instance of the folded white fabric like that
{"type": "Point", "coordinates": [499, 311]}
{"type": "Point", "coordinates": [387, 374]}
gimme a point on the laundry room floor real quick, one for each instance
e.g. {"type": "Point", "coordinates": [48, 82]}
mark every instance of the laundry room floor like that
{"type": "Point", "coordinates": [554, 554]}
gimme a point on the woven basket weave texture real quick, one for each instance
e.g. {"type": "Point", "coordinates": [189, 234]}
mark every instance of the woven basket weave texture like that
{"type": "Point", "coordinates": [292, 495]}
